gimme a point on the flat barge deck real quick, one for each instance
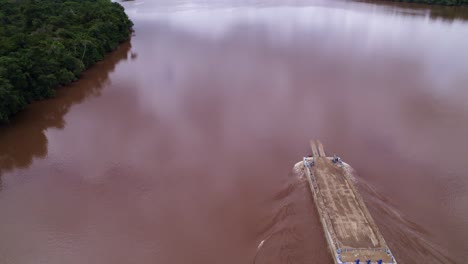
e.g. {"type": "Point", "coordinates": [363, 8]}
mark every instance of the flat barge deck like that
{"type": "Point", "coordinates": [350, 230]}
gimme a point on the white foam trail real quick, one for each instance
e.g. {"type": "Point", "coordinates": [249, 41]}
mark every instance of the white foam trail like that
{"type": "Point", "coordinates": [261, 244]}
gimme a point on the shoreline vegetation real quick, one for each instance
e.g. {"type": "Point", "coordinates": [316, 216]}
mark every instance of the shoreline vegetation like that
{"type": "Point", "coordinates": [433, 2]}
{"type": "Point", "coordinates": [48, 43]}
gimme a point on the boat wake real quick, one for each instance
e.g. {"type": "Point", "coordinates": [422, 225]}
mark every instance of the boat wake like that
{"type": "Point", "coordinates": [294, 233]}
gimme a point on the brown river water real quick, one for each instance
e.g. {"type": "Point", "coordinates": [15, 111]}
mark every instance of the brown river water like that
{"type": "Point", "coordinates": [179, 147]}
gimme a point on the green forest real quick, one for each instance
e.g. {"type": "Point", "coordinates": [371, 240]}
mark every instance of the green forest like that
{"type": "Point", "coordinates": [48, 43]}
{"type": "Point", "coordinates": [436, 2]}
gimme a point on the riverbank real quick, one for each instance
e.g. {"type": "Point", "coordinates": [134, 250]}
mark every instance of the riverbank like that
{"type": "Point", "coordinates": [49, 44]}
{"type": "Point", "coordinates": [434, 2]}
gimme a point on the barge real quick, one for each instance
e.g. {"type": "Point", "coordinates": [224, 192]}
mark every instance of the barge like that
{"type": "Point", "coordinates": [350, 231]}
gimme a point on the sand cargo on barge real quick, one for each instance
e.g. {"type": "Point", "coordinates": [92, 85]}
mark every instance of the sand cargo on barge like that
{"type": "Point", "coordinates": [350, 230]}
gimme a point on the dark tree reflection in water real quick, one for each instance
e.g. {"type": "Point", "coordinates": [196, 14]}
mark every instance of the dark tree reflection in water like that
{"type": "Point", "coordinates": [23, 139]}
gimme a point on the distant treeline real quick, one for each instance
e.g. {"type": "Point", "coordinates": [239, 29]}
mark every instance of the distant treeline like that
{"type": "Point", "coordinates": [48, 43]}
{"type": "Point", "coordinates": [435, 2]}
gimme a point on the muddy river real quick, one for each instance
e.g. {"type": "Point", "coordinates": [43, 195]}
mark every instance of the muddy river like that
{"type": "Point", "coordinates": [179, 147]}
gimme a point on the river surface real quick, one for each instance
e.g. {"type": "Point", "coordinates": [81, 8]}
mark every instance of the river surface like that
{"type": "Point", "coordinates": [179, 147]}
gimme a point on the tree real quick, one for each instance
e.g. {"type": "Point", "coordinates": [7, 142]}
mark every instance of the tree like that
{"type": "Point", "coordinates": [47, 43]}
